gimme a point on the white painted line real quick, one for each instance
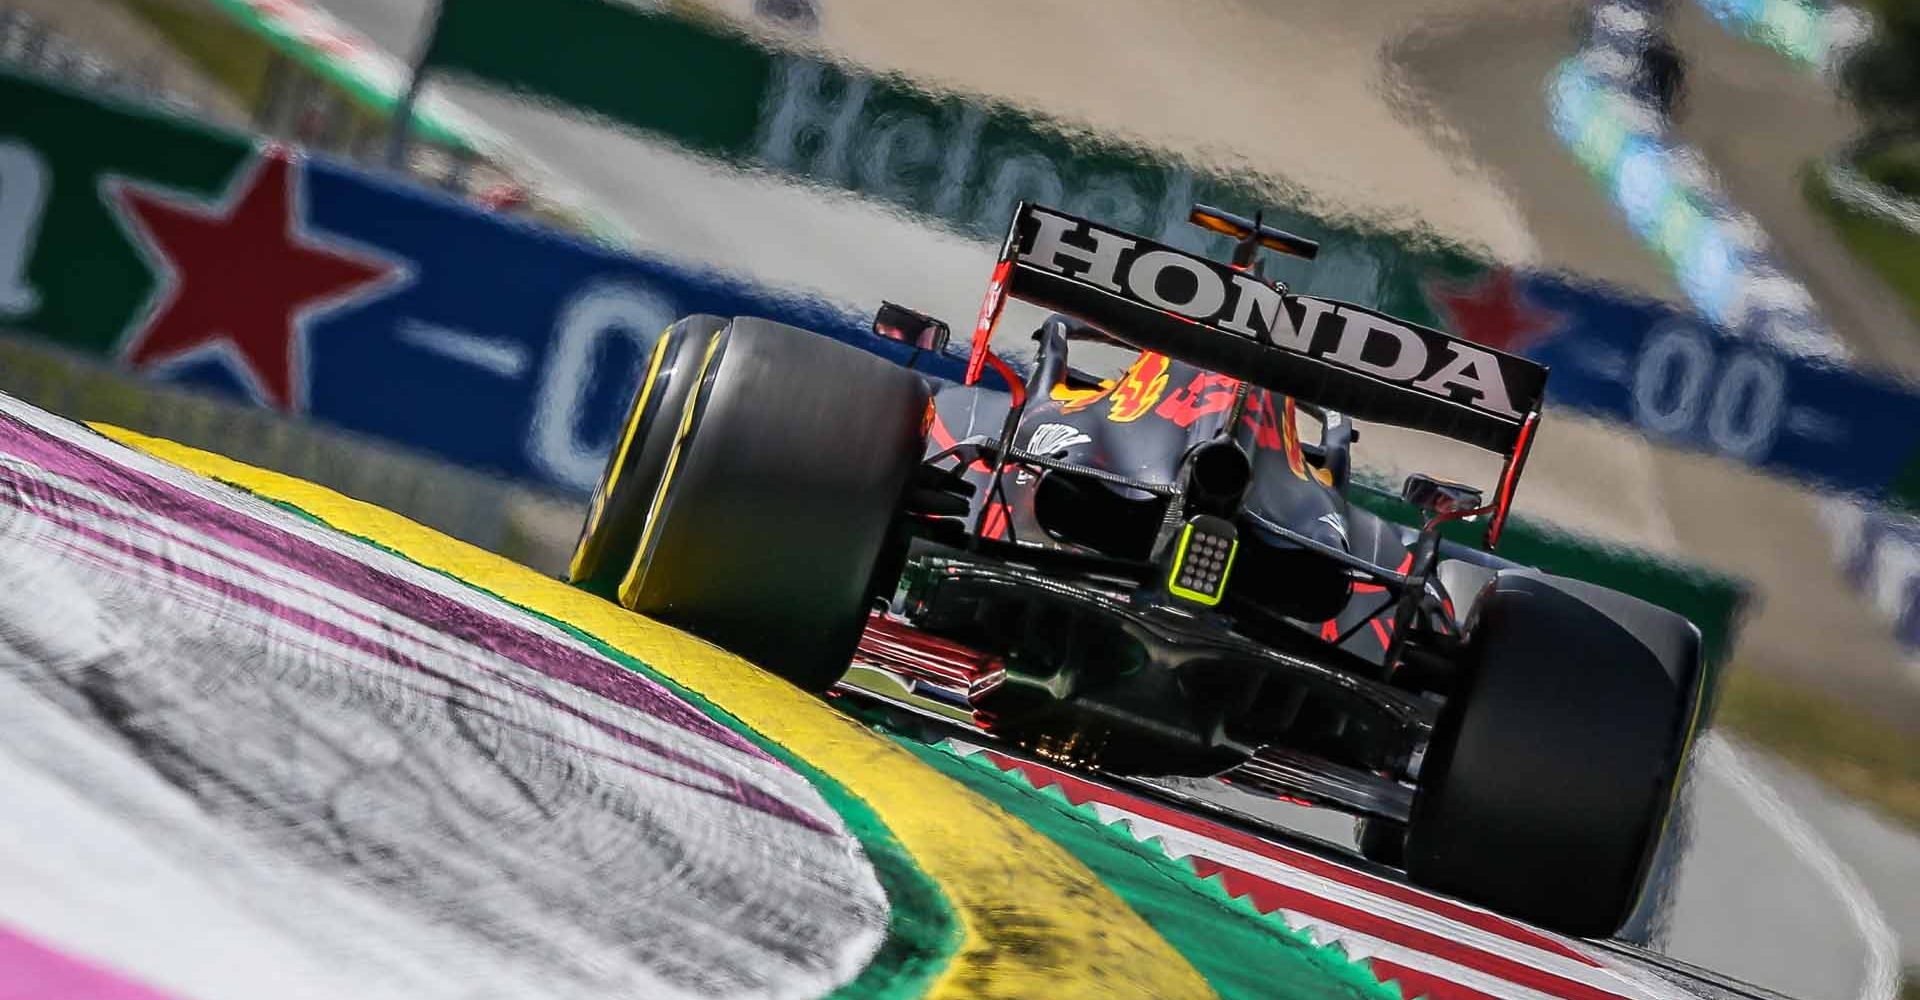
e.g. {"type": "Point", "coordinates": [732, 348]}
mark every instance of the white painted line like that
{"type": "Point", "coordinates": [1853, 189]}
{"type": "Point", "coordinates": [1361, 946]}
{"type": "Point", "coordinates": [1805, 421]}
{"type": "Point", "coordinates": [1882, 981]}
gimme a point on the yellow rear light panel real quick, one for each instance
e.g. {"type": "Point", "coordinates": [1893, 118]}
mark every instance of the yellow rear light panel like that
{"type": "Point", "coordinates": [1201, 563]}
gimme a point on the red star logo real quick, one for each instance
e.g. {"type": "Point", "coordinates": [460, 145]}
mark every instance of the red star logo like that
{"type": "Point", "coordinates": [1492, 311]}
{"type": "Point", "coordinates": [240, 277]}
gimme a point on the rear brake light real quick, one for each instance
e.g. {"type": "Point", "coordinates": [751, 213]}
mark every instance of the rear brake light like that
{"type": "Point", "coordinates": [1202, 559]}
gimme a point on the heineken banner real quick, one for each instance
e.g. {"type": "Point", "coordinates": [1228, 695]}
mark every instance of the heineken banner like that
{"type": "Point", "coordinates": [960, 163]}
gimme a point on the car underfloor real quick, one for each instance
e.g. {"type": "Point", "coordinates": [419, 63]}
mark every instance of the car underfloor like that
{"type": "Point", "coordinates": [1067, 667]}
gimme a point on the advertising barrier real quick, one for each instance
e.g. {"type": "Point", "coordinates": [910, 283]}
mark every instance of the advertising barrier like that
{"type": "Point", "coordinates": [1665, 372]}
{"type": "Point", "coordinates": [302, 285]}
{"type": "Point", "coordinates": [1686, 383]}
{"type": "Point", "coordinates": [966, 163]}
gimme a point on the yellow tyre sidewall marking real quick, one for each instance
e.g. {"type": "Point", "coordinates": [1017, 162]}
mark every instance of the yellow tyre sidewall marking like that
{"type": "Point", "coordinates": [1036, 922]}
{"type": "Point", "coordinates": [629, 591]}
{"type": "Point", "coordinates": [576, 568]}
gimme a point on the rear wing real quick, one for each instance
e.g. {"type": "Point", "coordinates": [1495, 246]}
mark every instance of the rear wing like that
{"type": "Point", "coordinates": [1346, 357]}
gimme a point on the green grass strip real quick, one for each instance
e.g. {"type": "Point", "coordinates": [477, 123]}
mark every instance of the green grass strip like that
{"type": "Point", "coordinates": [923, 932]}
{"type": "Point", "coordinates": [1243, 953]}
{"type": "Point", "coordinates": [1889, 250]}
{"type": "Point", "coordinates": [1862, 756]}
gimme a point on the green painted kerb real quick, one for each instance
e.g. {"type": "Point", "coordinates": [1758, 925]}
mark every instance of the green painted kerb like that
{"type": "Point", "coordinates": [1243, 953]}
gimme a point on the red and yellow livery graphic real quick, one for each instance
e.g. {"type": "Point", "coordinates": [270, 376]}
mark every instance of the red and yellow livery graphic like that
{"type": "Point", "coordinates": [1139, 389]}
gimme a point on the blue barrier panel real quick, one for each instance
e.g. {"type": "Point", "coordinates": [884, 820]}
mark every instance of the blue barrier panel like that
{"type": "Point", "coordinates": [1681, 381]}
{"type": "Point", "coordinates": [492, 343]}
{"type": "Point", "coordinates": [514, 349]}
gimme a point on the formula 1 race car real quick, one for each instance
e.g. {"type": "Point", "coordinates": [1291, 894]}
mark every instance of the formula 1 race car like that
{"type": "Point", "coordinates": [1153, 574]}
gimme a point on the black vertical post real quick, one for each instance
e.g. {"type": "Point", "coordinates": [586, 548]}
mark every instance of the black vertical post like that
{"type": "Point", "coordinates": [401, 127]}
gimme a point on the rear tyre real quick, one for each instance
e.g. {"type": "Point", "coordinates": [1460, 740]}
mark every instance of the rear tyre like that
{"type": "Point", "coordinates": [779, 494]}
{"type": "Point", "coordinates": [1550, 776]}
{"type": "Point", "coordinates": [611, 534]}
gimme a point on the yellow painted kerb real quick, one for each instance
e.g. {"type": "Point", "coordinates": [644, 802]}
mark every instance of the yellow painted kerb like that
{"type": "Point", "coordinates": [1037, 923]}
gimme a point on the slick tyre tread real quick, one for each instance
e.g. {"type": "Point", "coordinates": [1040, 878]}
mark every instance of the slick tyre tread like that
{"type": "Point", "coordinates": [791, 464]}
{"type": "Point", "coordinates": [1550, 776]}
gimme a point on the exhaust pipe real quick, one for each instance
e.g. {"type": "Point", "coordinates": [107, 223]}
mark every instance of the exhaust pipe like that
{"type": "Point", "coordinates": [1218, 474]}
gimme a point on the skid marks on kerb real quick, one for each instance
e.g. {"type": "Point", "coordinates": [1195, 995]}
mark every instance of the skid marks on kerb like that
{"type": "Point", "coordinates": [254, 757]}
{"type": "Point", "coordinates": [1432, 946]}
